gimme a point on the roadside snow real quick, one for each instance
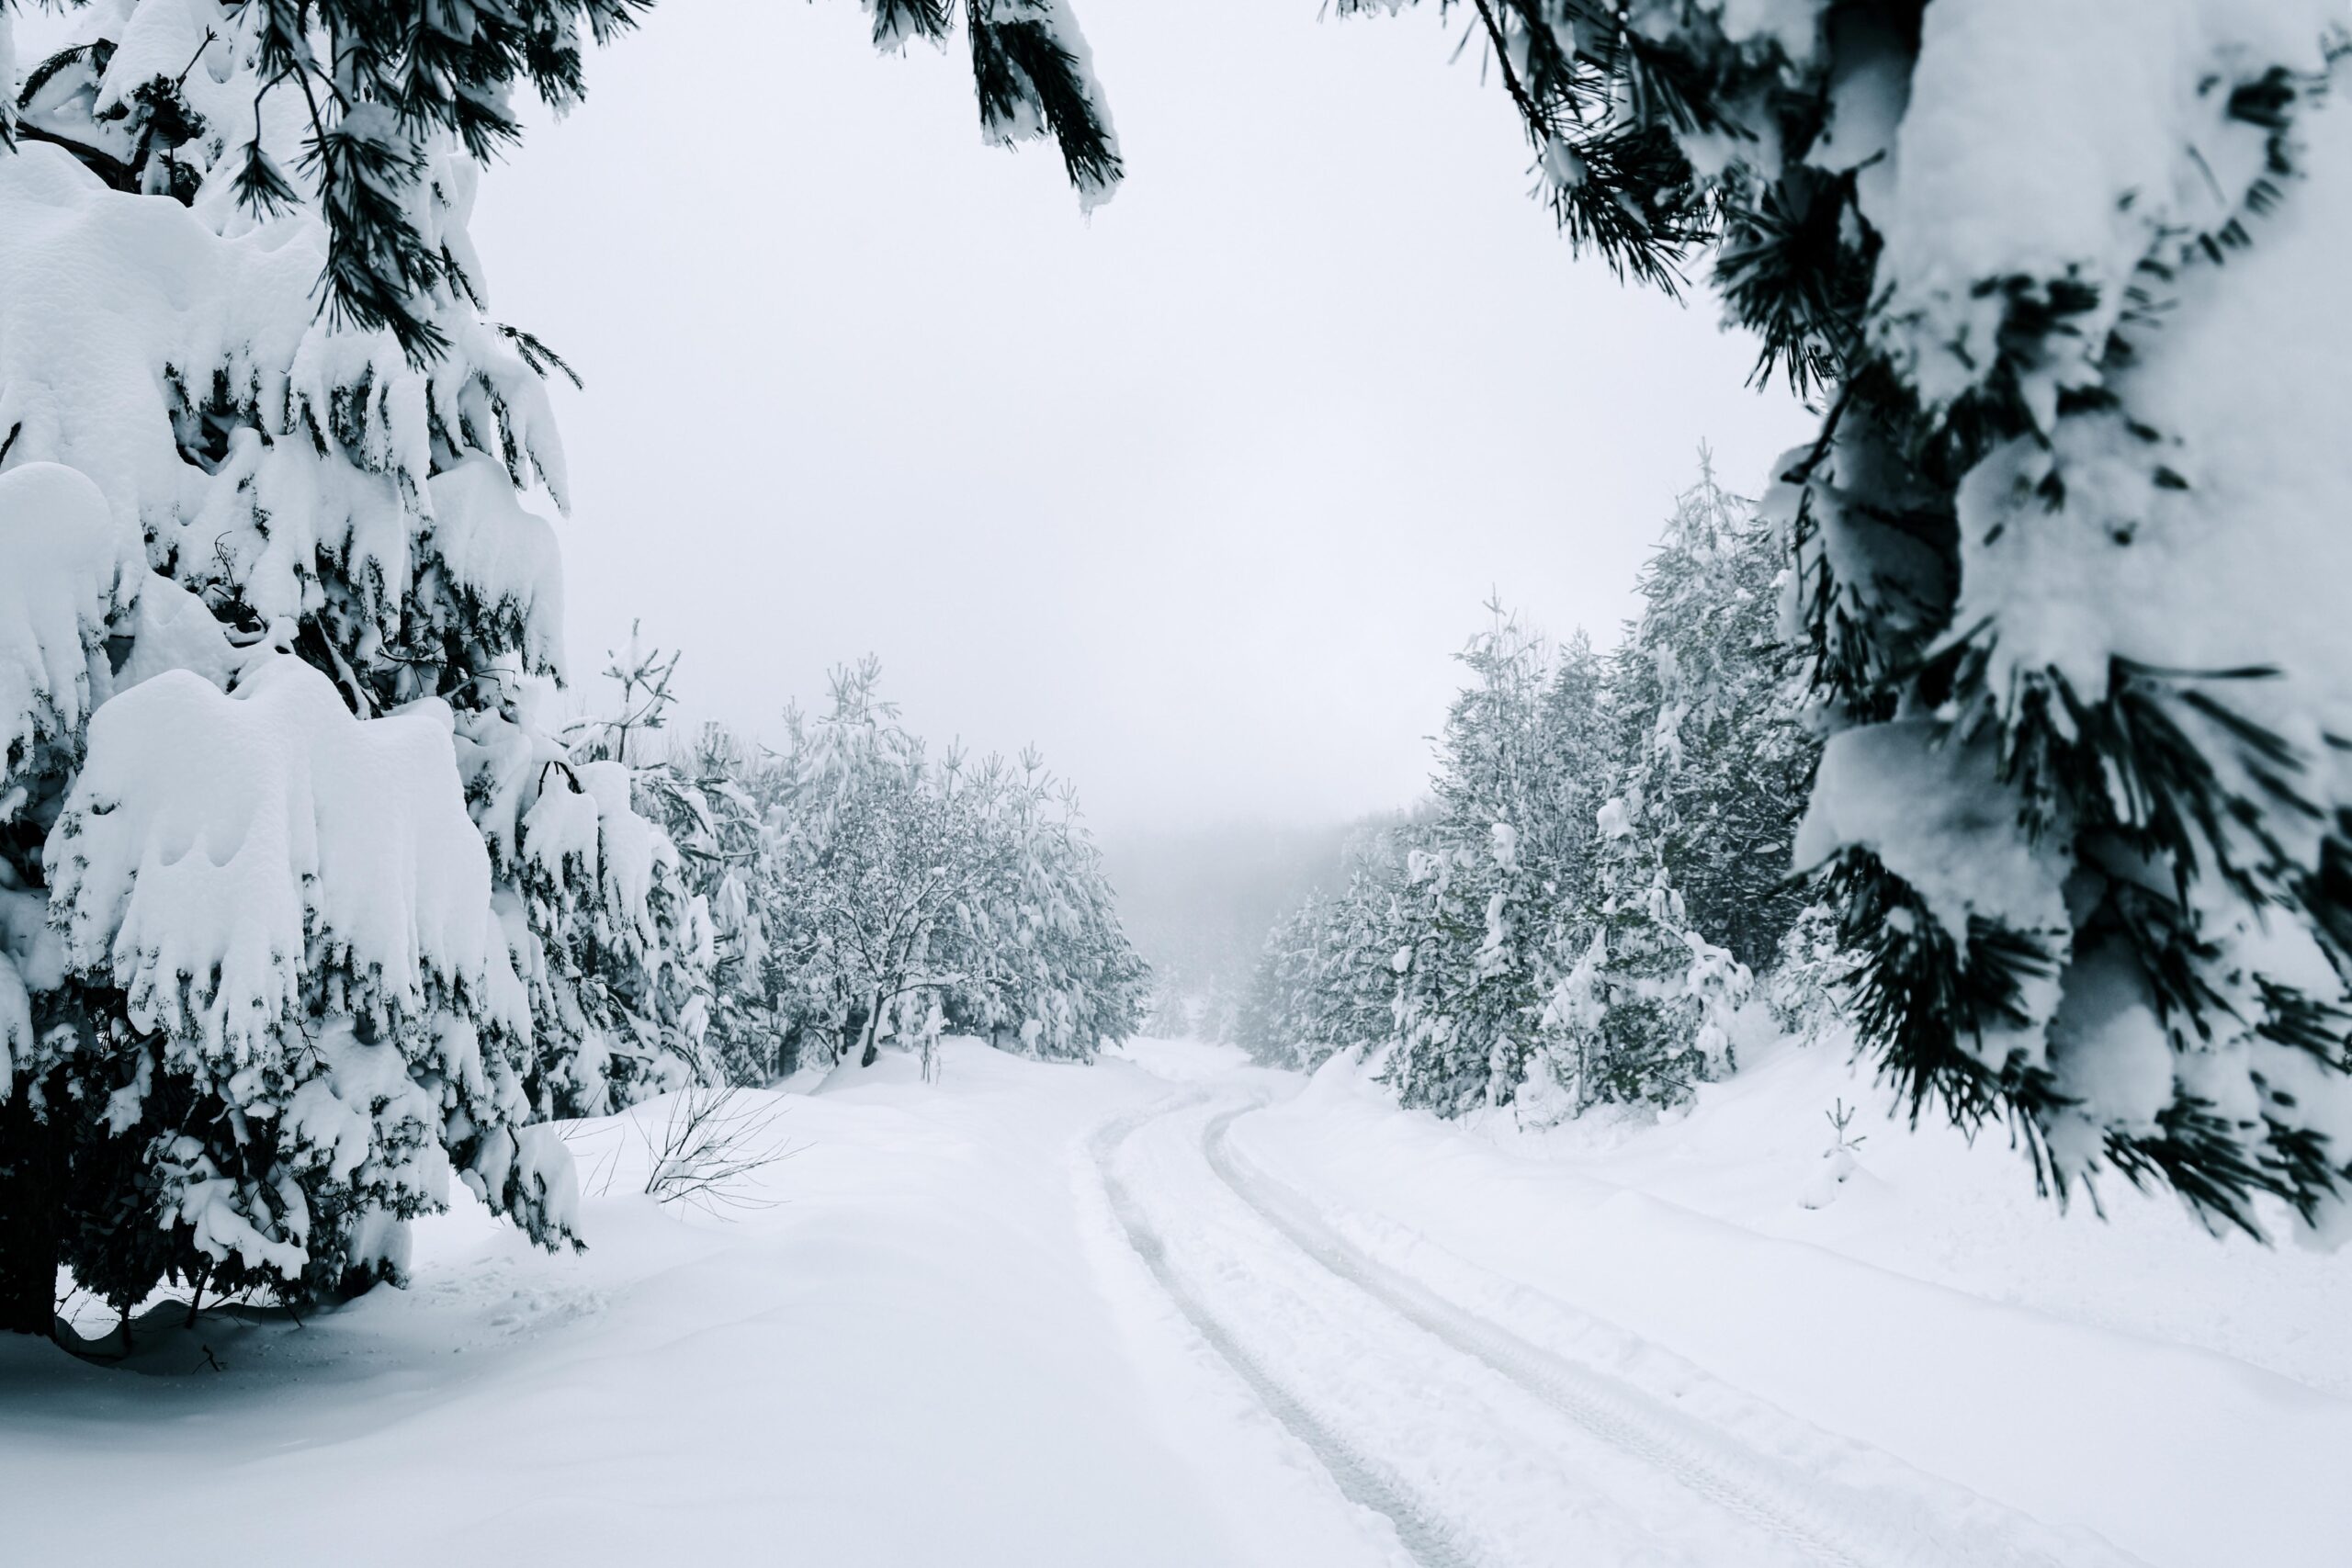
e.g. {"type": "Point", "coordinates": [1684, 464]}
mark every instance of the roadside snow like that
{"type": "Point", "coordinates": [2182, 1397]}
{"type": "Point", "coordinates": [906, 1360]}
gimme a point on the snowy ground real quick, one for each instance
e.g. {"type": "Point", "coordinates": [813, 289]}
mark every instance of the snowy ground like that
{"type": "Point", "coordinates": [1174, 1310]}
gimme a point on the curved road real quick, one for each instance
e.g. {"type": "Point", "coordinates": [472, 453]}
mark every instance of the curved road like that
{"type": "Point", "coordinates": [1480, 1448]}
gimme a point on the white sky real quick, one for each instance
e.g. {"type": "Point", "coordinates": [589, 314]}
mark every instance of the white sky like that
{"type": "Point", "coordinates": [1198, 495]}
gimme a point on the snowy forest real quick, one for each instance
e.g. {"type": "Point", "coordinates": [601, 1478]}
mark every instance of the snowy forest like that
{"type": "Point", "coordinates": [756, 1115]}
{"type": "Point", "coordinates": [1581, 915]}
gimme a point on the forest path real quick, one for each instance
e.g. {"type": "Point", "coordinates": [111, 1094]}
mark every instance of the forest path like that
{"type": "Point", "coordinates": [1475, 1445]}
{"type": "Point", "coordinates": [1939, 1368]}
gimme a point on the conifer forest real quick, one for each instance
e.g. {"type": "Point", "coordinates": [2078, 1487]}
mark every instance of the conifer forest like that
{"type": "Point", "coordinates": [1415, 783]}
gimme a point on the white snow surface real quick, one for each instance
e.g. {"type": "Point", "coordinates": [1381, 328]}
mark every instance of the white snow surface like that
{"type": "Point", "coordinates": [1175, 1310]}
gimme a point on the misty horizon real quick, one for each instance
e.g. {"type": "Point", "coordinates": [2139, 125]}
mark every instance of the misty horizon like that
{"type": "Point", "coordinates": [1198, 493]}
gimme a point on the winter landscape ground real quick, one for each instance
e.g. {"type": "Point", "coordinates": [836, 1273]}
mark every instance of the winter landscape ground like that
{"type": "Point", "coordinates": [1176, 1309]}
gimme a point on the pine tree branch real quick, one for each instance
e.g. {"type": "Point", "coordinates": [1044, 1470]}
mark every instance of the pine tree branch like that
{"type": "Point", "coordinates": [117, 174]}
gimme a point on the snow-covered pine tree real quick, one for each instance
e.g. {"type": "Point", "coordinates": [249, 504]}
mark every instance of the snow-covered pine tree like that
{"type": "Point", "coordinates": [1578, 754]}
{"type": "Point", "coordinates": [318, 559]}
{"type": "Point", "coordinates": [1327, 980]}
{"type": "Point", "coordinates": [1480, 884]}
{"type": "Point", "coordinates": [2067, 540]}
{"type": "Point", "coordinates": [615, 920]}
{"type": "Point", "coordinates": [1441, 950]}
{"type": "Point", "coordinates": [1688, 731]}
{"type": "Point", "coordinates": [708, 798]}
{"type": "Point", "coordinates": [1283, 1021]}
{"type": "Point", "coordinates": [1702, 694]}
{"type": "Point", "coordinates": [1643, 1015]}
{"type": "Point", "coordinates": [266, 585]}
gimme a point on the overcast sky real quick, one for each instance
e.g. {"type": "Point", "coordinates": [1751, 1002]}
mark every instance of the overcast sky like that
{"type": "Point", "coordinates": [1199, 494]}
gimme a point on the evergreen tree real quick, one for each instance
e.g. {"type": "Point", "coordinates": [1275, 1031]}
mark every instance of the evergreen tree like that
{"type": "Point", "coordinates": [1705, 771]}
{"type": "Point", "coordinates": [1480, 879]}
{"type": "Point", "coordinates": [1643, 1015]}
{"type": "Point", "coordinates": [625, 959]}
{"type": "Point", "coordinates": [1327, 979]}
{"type": "Point", "coordinates": [351, 106]}
{"type": "Point", "coordinates": [297, 511]}
{"type": "Point", "coordinates": [267, 585]}
{"type": "Point", "coordinates": [707, 796]}
{"type": "Point", "coordinates": [2084, 818]}
{"type": "Point", "coordinates": [1578, 754]}
{"type": "Point", "coordinates": [1702, 694]}
{"type": "Point", "coordinates": [1533, 940]}
{"type": "Point", "coordinates": [1282, 1018]}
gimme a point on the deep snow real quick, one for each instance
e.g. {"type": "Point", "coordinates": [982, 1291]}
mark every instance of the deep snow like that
{"type": "Point", "coordinates": [1050, 1314]}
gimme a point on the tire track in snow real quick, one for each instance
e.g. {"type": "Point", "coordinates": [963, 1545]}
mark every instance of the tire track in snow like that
{"type": "Point", "coordinates": [1359, 1479]}
{"type": "Point", "coordinates": [1706, 1462]}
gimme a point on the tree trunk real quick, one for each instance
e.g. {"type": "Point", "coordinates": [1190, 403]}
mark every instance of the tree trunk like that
{"type": "Point", "coordinates": [32, 1218]}
{"type": "Point", "coordinates": [873, 1034]}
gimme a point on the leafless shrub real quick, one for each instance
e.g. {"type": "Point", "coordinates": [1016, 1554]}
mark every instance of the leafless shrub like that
{"type": "Point", "coordinates": [710, 1150]}
{"type": "Point", "coordinates": [596, 1150]}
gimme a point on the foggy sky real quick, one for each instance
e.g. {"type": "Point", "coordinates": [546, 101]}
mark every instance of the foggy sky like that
{"type": "Point", "coordinates": [1198, 494]}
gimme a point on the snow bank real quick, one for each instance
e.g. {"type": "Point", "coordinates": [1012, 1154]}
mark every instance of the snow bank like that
{"type": "Point", "coordinates": [2185, 1397]}
{"type": "Point", "coordinates": [906, 1360]}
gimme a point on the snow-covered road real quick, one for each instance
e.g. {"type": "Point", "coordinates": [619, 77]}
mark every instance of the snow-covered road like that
{"type": "Point", "coordinates": [1175, 1312]}
{"type": "Point", "coordinates": [1478, 1445]}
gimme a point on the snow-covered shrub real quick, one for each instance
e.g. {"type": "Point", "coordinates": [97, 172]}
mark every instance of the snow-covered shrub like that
{"type": "Point", "coordinates": [707, 1149]}
{"type": "Point", "coordinates": [1840, 1161]}
{"type": "Point", "coordinates": [2067, 543]}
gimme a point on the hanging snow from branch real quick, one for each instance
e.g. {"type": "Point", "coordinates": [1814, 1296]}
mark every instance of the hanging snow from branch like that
{"type": "Point", "coordinates": [64, 580]}
{"type": "Point", "coordinates": [235, 861]}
